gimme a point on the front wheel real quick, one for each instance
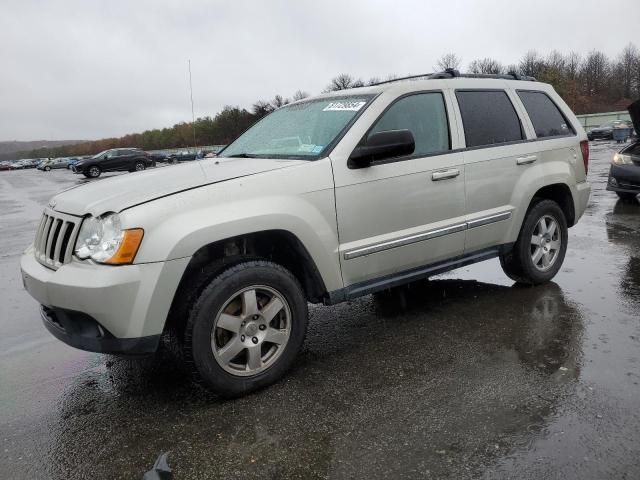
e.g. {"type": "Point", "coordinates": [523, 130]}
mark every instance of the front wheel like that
{"type": "Point", "coordinates": [47, 169]}
{"type": "Point", "coordinates": [246, 327]}
{"type": "Point", "coordinates": [540, 248]}
{"type": "Point", "coordinates": [93, 172]}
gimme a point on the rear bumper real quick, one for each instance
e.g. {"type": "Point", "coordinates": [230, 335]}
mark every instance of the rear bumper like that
{"type": "Point", "coordinates": [582, 193]}
{"type": "Point", "coordinates": [624, 178]}
{"type": "Point", "coordinates": [81, 331]}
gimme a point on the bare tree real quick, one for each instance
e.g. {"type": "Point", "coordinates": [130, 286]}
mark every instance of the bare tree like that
{"type": "Point", "coordinates": [300, 95]}
{"type": "Point", "coordinates": [261, 108]}
{"type": "Point", "coordinates": [531, 64]}
{"type": "Point", "coordinates": [628, 62]}
{"type": "Point", "coordinates": [555, 61]}
{"type": "Point", "coordinates": [374, 80]}
{"type": "Point", "coordinates": [278, 101]}
{"type": "Point", "coordinates": [448, 60]}
{"type": "Point", "coordinates": [595, 71]}
{"type": "Point", "coordinates": [572, 65]}
{"type": "Point", "coordinates": [486, 65]}
{"type": "Point", "coordinates": [342, 82]}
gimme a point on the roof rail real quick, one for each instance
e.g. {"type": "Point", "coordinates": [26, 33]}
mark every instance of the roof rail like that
{"type": "Point", "coordinates": [453, 73]}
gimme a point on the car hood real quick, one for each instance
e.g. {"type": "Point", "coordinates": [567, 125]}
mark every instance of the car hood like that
{"type": "Point", "coordinates": [634, 111]}
{"type": "Point", "coordinates": [118, 193]}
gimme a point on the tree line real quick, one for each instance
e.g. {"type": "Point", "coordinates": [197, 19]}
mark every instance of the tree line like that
{"type": "Point", "coordinates": [589, 84]}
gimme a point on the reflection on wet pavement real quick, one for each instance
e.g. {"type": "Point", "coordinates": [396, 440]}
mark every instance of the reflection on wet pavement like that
{"type": "Point", "coordinates": [463, 376]}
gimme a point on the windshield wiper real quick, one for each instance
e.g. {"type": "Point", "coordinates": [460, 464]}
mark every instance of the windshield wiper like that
{"type": "Point", "coordinates": [242, 155]}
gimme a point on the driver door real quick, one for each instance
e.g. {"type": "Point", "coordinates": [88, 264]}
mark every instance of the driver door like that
{"type": "Point", "coordinates": [402, 213]}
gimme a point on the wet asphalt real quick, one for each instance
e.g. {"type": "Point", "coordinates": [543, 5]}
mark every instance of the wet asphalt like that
{"type": "Point", "coordinates": [464, 376]}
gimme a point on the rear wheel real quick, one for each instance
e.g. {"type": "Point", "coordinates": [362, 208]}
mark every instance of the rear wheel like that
{"type": "Point", "coordinates": [139, 166]}
{"type": "Point", "coordinates": [539, 251]}
{"type": "Point", "coordinates": [47, 169]}
{"type": "Point", "coordinates": [626, 196]}
{"type": "Point", "coordinates": [246, 327]}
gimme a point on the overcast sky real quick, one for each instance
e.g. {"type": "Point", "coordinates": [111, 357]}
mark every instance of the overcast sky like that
{"type": "Point", "coordinates": [91, 69]}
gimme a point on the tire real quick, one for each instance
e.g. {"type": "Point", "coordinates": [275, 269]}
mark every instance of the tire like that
{"type": "Point", "coordinates": [47, 169]}
{"type": "Point", "coordinates": [258, 362]}
{"type": "Point", "coordinates": [93, 172]}
{"type": "Point", "coordinates": [139, 166]}
{"type": "Point", "coordinates": [518, 264]}
{"type": "Point", "coordinates": [626, 196]}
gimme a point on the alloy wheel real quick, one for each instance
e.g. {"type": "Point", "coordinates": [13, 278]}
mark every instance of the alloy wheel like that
{"type": "Point", "coordinates": [546, 242]}
{"type": "Point", "coordinates": [251, 330]}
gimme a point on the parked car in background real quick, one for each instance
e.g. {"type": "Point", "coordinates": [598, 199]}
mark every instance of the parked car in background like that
{"type": "Point", "coordinates": [20, 165]}
{"type": "Point", "coordinates": [53, 164]}
{"type": "Point", "coordinates": [181, 157]}
{"type": "Point", "coordinates": [72, 161]}
{"type": "Point", "coordinates": [157, 156]}
{"type": "Point", "coordinates": [624, 173]}
{"type": "Point", "coordinates": [605, 131]}
{"type": "Point", "coordinates": [114, 160]}
{"type": "Point", "coordinates": [6, 165]}
{"type": "Point", "coordinates": [29, 163]}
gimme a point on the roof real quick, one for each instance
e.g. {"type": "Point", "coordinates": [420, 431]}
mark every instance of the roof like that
{"type": "Point", "coordinates": [424, 80]}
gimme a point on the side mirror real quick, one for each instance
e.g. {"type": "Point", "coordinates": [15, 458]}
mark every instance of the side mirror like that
{"type": "Point", "coordinates": [382, 145]}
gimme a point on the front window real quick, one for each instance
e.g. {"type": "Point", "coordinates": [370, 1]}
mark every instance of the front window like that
{"type": "Point", "coordinates": [101, 154]}
{"type": "Point", "coordinates": [303, 130]}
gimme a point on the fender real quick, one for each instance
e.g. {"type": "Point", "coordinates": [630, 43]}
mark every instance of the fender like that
{"type": "Point", "coordinates": [303, 205]}
{"type": "Point", "coordinates": [533, 179]}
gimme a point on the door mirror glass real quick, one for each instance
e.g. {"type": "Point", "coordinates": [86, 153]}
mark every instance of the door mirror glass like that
{"type": "Point", "coordinates": [382, 145]}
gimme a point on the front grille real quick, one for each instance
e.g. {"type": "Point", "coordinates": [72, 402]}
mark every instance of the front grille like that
{"type": "Point", "coordinates": [55, 238]}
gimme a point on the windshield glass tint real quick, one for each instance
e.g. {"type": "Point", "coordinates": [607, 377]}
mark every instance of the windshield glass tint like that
{"type": "Point", "coordinates": [302, 130]}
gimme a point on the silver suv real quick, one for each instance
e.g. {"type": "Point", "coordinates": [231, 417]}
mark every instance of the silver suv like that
{"type": "Point", "coordinates": [323, 200]}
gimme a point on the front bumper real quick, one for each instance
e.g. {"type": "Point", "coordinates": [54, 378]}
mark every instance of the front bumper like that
{"type": "Point", "coordinates": [79, 330]}
{"type": "Point", "coordinates": [624, 178]}
{"type": "Point", "coordinates": [124, 304]}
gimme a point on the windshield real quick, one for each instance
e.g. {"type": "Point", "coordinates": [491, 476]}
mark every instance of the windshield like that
{"type": "Point", "coordinates": [302, 130]}
{"type": "Point", "coordinates": [98, 155]}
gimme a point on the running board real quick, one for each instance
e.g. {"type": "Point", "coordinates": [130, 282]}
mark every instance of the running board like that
{"type": "Point", "coordinates": [408, 276]}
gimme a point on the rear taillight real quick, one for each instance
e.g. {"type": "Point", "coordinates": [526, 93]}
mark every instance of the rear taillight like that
{"type": "Point", "coordinates": [584, 148]}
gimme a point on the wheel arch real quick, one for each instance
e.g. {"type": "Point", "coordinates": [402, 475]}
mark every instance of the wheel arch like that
{"type": "Point", "coordinates": [279, 246]}
{"type": "Point", "coordinates": [561, 194]}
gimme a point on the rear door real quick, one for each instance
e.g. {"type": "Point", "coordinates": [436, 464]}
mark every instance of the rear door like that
{"type": "Point", "coordinates": [494, 137]}
{"type": "Point", "coordinates": [560, 147]}
{"type": "Point", "coordinates": [406, 212]}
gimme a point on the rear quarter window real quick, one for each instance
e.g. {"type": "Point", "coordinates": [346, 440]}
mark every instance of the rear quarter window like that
{"type": "Point", "coordinates": [546, 117]}
{"type": "Point", "coordinates": [488, 117]}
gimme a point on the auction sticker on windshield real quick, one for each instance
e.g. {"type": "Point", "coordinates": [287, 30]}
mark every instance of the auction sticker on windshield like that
{"type": "Point", "coordinates": [351, 106]}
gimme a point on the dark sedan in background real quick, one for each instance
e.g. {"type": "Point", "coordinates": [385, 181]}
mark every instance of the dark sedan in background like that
{"type": "Point", "coordinates": [605, 131]}
{"type": "Point", "coordinates": [624, 174]}
{"type": "Point", "coordinates": [114, 160]}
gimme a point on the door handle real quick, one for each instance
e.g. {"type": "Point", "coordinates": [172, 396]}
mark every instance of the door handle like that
{"type": "Point", "coordinates": [526, 160]}
{"type": "Point", "coordinates": [444, 174]}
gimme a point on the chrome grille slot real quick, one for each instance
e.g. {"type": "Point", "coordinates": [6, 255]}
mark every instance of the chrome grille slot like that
{"type": "Point", "coordinates": [55, 238]}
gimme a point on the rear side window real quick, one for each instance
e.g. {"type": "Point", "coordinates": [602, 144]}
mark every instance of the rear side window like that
{"type": "Point", "coordinates": [547, 119]}
{"type": "Point", "coordinates": [488, 117]}
{"type": "Point", "coordinates": [425, 116]}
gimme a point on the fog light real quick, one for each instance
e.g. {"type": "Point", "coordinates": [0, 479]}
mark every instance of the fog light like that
{"type": "Point", "coordinates": [613, 181]}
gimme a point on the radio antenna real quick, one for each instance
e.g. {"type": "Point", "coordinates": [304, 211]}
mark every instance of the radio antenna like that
{"type": "Point", "coordinates": [193, 115]}
{"type": "Point", "coordinates": [193, 119]}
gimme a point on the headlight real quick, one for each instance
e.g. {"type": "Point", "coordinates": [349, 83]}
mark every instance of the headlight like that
{"type": "Point", "coordinates": [103, 240]}
{"type": "Point", "coordinates": [621, 159]}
